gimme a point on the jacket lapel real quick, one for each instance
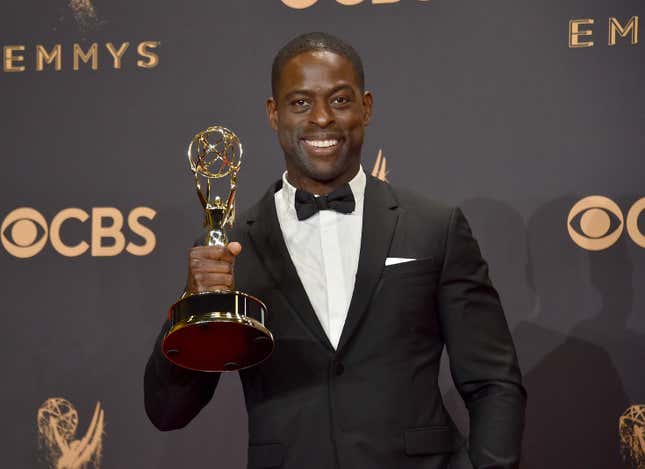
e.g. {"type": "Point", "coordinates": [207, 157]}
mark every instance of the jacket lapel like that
{"type": "Point", "coordinates": [379, 221]}
{"type": "Point", "coordinates": [266, 235]}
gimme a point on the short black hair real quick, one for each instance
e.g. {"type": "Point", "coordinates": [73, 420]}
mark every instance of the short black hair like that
{"type": "Point", "coordinates": [317, 41]}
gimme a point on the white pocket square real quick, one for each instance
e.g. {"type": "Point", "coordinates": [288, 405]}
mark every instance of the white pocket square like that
{"type": "Point", "coordinates": [398, 260]}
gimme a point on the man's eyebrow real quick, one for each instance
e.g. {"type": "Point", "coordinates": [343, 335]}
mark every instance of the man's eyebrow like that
{"type": "Point", "coordinates": [295, 92]}
{"type": "Point", "coordinates": [336, 89]}
{"type": "Point", "coordinates": [342, 87]}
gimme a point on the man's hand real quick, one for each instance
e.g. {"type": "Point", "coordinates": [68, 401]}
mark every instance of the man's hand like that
{"type": "Point", "coordinates": [210, 268]}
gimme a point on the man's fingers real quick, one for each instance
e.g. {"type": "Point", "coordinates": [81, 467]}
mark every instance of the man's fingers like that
{"type": "Point", "coordinates": [208, 265]}
{"type": "Point", "coordinates": [205, 281]}
{"type": "Point", "coordinates": [211, 267]}
{"type": "Point", "coordinates": [216, 253]}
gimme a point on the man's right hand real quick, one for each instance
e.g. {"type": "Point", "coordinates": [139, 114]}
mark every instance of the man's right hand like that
{"type": "Point", "coordinates": [210, 268]}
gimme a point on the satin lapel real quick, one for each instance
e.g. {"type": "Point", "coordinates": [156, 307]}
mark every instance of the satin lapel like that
{"type": "Point", "coordinates": [266, 235]}
{"type": "Point", "coordinates": [379, 221]}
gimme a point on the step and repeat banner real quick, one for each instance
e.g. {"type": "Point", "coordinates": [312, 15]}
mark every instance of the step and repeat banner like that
{"type": "Point", "coordinates": [528, 114]}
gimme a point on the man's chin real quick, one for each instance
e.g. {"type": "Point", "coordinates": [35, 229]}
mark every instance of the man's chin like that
{"type": "Point", "coordinates": [325, 172]}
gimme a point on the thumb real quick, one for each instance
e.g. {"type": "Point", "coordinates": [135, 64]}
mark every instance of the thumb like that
{"type": "Point", "coordinates": [234, 248]}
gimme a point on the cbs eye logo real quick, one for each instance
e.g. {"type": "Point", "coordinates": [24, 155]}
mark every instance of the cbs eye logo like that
{"type": "Point", "coordinates": [24, 232]}
{"type": "Point", "coordinates": [596, 223]}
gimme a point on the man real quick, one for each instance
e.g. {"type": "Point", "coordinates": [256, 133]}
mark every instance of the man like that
{"type": "Point", "coordinates": [361, 300]}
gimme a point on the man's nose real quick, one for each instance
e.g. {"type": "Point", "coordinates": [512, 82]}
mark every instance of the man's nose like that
{"type": "Point", "coordinates": [321, 115]}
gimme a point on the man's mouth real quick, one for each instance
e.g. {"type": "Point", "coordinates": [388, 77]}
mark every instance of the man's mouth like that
{"type": "Point", "coordinates": [322, 143]}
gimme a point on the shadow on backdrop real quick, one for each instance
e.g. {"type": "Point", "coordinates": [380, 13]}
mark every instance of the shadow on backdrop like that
{"type": "Point", "coordinates": [612, 273]}
{"type": "Point", "coordinates": [575, 394]}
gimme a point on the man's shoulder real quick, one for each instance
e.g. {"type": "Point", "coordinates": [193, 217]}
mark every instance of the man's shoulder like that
{"type": "Point", "coordinates": [418, 204]}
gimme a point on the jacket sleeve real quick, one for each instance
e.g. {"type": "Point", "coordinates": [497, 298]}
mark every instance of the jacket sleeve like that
{"type": "Point", "coordinates": [173, 395]}
{"type": "Point", "coordinates": [482, 356]}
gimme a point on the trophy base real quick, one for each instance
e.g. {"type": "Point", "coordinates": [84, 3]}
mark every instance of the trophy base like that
{"type": "Point", "coordinates": [211, 332]}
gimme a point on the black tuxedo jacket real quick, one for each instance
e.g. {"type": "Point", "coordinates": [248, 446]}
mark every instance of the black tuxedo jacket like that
{"type": "Point", "coordinates": [374, 403]}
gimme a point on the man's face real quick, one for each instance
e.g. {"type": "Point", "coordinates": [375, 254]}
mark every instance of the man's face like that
{"type": "Point", "coordinates": [320, 114]}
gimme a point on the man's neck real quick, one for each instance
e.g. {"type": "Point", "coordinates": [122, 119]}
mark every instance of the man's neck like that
{"type": "Point", "coordinates": [320, 187]}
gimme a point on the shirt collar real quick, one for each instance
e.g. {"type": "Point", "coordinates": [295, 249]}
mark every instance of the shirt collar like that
{"type": "Point", "coordinates": [357, 185]}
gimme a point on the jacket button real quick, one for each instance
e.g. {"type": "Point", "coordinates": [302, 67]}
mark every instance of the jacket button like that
{"type": "Point", "coordinates": [340, 369]}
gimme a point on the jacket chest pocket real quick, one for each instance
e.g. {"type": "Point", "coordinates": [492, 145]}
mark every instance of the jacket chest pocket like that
{"type": "Point", "coordinates": [412, 282]}
{"type": "Point", "coordinates": [410, 268]}
{"type": "Point", "coordinates": [408, 292]}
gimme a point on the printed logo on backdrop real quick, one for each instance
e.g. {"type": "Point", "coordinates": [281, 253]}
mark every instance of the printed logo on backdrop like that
{"type": "Point", "coordinates": [94, 56]}
{"type": "Point", "coordinates": [58, 441]}
{"type": "Point", "coordinates": [24, 232]}
{"type": "Point", "coordinates": [631, 427]}
{"type": "Point", "coordinates": [81, 55]}
{"type": "Point", "coordinates": [597, 222]}
{"type": "Point", "coordinates": [302, 4]}
{"type": "Point", "coordinates": [582, 30]}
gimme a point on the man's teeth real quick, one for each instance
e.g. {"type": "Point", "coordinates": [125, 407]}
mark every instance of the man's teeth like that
{"type": "Point", "coordinates": [322, 143]}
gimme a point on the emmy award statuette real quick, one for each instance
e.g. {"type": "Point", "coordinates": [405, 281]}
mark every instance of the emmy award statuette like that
{"type": "Point", "coordinates": [221, 330]}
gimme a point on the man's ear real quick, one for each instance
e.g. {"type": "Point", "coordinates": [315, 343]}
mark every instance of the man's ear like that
{"type": "Point", "coordinates": [367, 107]}
{"type": "Point", "coordinates": [272, 113]}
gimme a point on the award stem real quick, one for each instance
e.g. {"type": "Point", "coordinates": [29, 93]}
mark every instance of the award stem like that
{"type": "Point", "coordinates": [215, 234]}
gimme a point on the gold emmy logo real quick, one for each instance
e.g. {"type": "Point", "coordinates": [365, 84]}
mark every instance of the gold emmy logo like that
{"type": "Point", "coordinates": [581, 31]}
{"type": "Point", "coordinates": [44, 58]}
{"type": "Point", "coordinates": [380, 167]}
{"type": "Point", "coordinates": [302, 4]}
{"type": "Point", "coordinates": [18, 58]}
{"type": "Point", "coordinates": [24, 232]}
{"type": "Point", "coordinates": [57, 425]}
{"type": "Point", "coordinates": [631, 427]}
{"type": "Point", "coordinates": [596, 223]}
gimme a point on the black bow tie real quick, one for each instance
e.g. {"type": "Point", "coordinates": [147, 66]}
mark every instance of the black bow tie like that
{"type": "Point", "coordinates": [341, 200]}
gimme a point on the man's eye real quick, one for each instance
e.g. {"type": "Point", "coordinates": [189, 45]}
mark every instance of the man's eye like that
{"type": "Point", "coordinates": [340, 100]}
{"type": "Point", "coordinates": [299, 105]}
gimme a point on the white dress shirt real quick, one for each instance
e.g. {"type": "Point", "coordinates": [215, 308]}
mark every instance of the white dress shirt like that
{"type": "Point", "coordinates": [324, 249]}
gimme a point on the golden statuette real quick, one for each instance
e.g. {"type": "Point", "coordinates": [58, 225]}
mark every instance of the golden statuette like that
{"type": "Point", "coordinates": [222, 330]}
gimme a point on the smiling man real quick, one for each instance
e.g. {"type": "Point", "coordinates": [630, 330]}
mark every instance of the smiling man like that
{"type": "Point", "coordinates": [365, 285]}
{"type": "Point", "coordinates": [319, 110]}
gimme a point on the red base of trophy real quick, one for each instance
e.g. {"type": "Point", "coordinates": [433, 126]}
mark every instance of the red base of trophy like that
{"type": "Point", "coordinates": [217, 331]}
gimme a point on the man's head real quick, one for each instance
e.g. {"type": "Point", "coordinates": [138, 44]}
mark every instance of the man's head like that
{"type": "Point", "coordinates": [315, 42]}
{"type": "Point", "coordinates": [319, 110]}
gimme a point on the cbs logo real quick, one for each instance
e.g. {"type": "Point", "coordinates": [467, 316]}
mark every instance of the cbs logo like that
{"type": "Point", "coordinates": [302, 4]}
{"type": "Point", "coordinates": [24, 232]}
{"type": "Point", "coordinates": [596, 222]}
